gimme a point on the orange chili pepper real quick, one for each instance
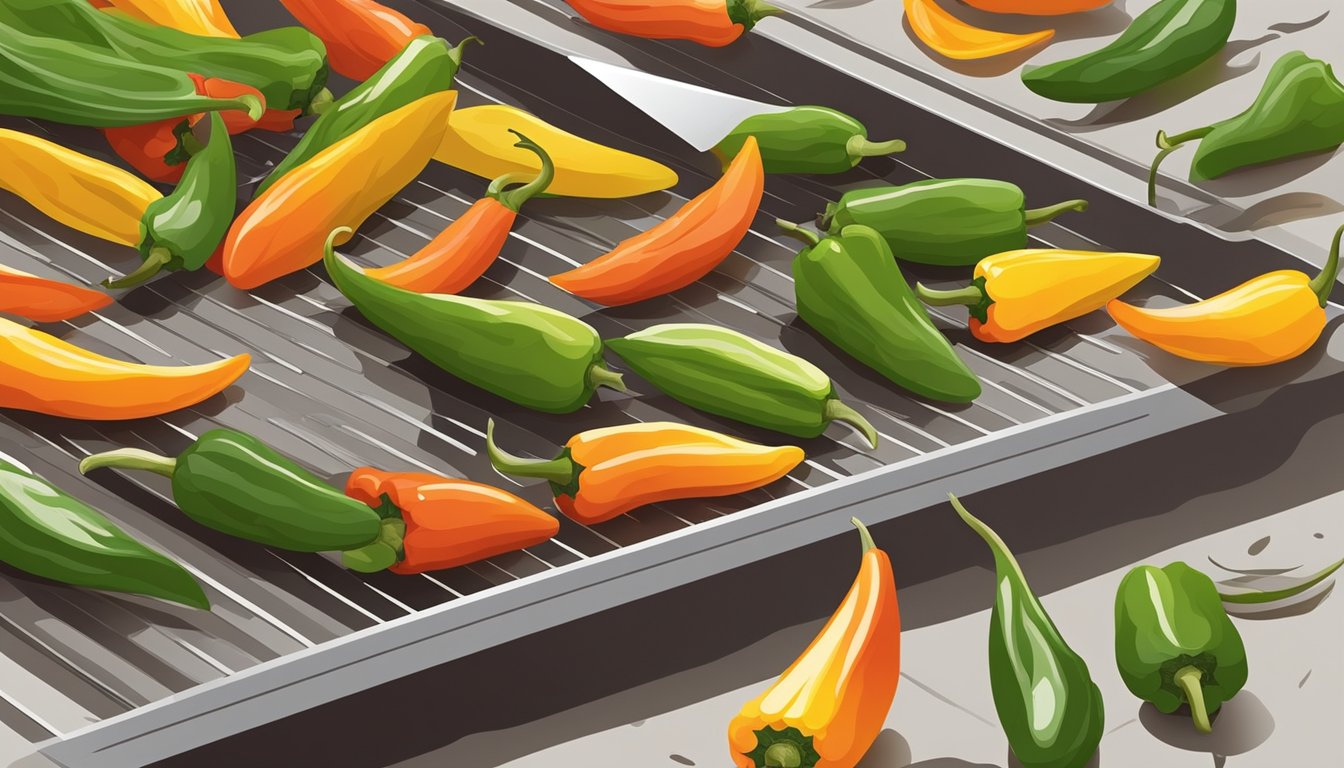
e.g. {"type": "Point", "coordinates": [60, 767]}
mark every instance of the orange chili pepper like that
{"type": "Point", "coordinates": [681, 249]}
{"type": "Point", "coordinates": [827, 709]}
{"type": "Point", "coordinates": [447, 522]}
{"type": "Point", "coordinates": [199, 17]}
{"type": "Point", "coordinates": [1037, 7]}
{"type": "Point", "coordinates": [41, 373]}
{"type": "Point", "coordinates": [361, 35]}
{"type": "Point", "coordinates": [714, 23]}
{"type": "Point", "coordinates": [956, 39]}
{"type": "Point", "coordinates": [604, 473]}
{"type": "Point", "coordinates": [468, 246]}
{"type": "Point", "coordinates": [43, 300]}
{"type": "Point", "coordinates": [284, 229]}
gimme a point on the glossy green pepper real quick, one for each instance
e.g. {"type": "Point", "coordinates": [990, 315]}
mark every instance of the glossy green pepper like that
{"type": "Point", "coordinates": [236, 484]}
{"type": "Point", "coordinates": [806, 139]}
{"type": "Point", "coordinates": [182, 229]}
{"type": "Point", "coordinates": [1162, 43]}
{"type": "Point", "coordinates": [426, 65]}
{"type": "Point", "coordinates": [51, 534]}
{"type": "Point", "coordinates": [1299, 110]}
{"type": "Point", "coordinates": [1048, 706]}
{"type": "Point", "coordinates": [533, 355]}
{"type": "Point", "coordinates": [1174, 642]}
{"type": "Point", "coordinates": [851, 291]}
{"type": "Point", "coordinates": [723, 372]}
{"type": "Point", "coordinates": [946, 222]}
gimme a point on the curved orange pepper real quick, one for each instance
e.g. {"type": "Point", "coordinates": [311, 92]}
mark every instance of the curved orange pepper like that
{"type": "Point", "coordinates": [41, 373]}
{"type": "Point", "coordinates": [46, 301]}
{"type": "Point", "coordinates": [361, 35]}
{"type": "Point", "coordinates": [1037, 7]}
{"type": "Point", "coordinates": [708, 22]}
{"type": "Point", "coordinates": [683, 248]}
{"type": "Point", "coordinates": [956, 39]}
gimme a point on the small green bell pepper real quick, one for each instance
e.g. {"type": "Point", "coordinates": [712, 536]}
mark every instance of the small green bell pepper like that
{"type": "Point", "coordinates": [815, 140]}
{"type": "Point", "coordinates": [1174, 642]}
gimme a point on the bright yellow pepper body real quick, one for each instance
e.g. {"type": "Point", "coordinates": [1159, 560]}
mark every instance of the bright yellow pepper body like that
{"type": "Point", "coordinates": [199, 17]}
{"type": "Point", "coordinates": [80, 192]}
{"type": "Point", "coordinates": [478, 141]}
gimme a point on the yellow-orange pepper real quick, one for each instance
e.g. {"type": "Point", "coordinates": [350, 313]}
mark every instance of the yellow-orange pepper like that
{"type": "Point", "coordinates": [1037, 7]}
{"type": "Point", "coordinates": [1269, 319]}
{"type": "Point", "coordinates": [827, 709]}
{"type": "Point", "coordinates": [41, 373]}
{"type": "Point", "coordinates": [199, 17]}
{"type": "Point", "coordinates": [46, 301]}
{"type": "Point", "coordinates": [956, 39]}
{"type": "Point", "coordinates": [604, 473]}
{"type": "Point", "coordinates": [285, 228]}
{"type": "Point", "coordinates": [1017, 293]}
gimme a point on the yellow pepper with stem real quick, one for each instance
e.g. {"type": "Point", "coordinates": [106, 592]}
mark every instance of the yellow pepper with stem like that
{"type": "Point", "coordinates": [479, 140]}
{"type": "Point", "coordinates": [1269, 319]}
{"type": "Point", "coordinates": [1017, 293]}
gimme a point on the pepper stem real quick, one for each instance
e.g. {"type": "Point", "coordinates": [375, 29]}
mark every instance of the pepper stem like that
{"type": "Point", "coordinates": [321, 102]}
{"type": "Point", "coordinates": [129, 458]}
{"type": "Point", "coordinates": [514, 198]}
{"type": "Point", "coordinates": [190, 144]}
{"type": "Point", "coordinates": [1256, 598]}
{"type": "Point", "coordinates": [783, 754]}
{"type": "Point", "coordinates": [1188, 679]}
{"type": "Point", "coordinates": [1042, 215]}
{"type": "Point", "coordinates": [748, 12]}
{"type": "Point", "coordinates": [600, 376]}
{"type": "Point", "coordinates": [1167, 146]}
{"type": "Point", "coordinates": [797, 231]}
{"type": "Point", "coordinates": [860, 146]}
{"type": "Point", "coordinates": [157, 259]}
{"type": "Point", "coordinates": [254, 106]}
{"type": "Point", "coordinates": [559, 470]}
{"type": "Point", "coordinates": [1324, 283]}
{"type": "Point", "coordinates": [836, 410]}
{"type": "Point", "coordinates": [455, 53]}
{"type": "Point", "coordinates": [969, 296]}
{"type": "Point", "coordinates": [864, 536]}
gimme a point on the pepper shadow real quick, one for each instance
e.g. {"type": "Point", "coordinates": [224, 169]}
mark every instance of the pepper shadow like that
{"type": "Point", "coordinates": [943, 762]}
{"type": "Point", "coordinates": [1095, 762]}
{"type": "Point", "coordinates": [890, 750]}
{"type": "Point", "coordinates": [1239, 726]}
{"type": "Point", "coordinates": [1280, 209]}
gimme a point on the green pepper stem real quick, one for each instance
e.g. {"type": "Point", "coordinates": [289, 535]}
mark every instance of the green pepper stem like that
{"type": "Point", "coordinates": [154, 262]}
{"type": "Point", "coordinates": [1259, 598]}
{"type": "Point", "coordinates": [455, 53]}
{"type": "Point", "coordinates": [601, 376]}
{"type": "Point", "coordinates": [1002, 554]}
{"type": "Point", "coordinates": [1167, 145]}
{"type": "Point", "coordinates": [798, 232]}
{"type": "Point", "coordinates": [864, 536]}
{"type": "Point", "coordinates": [969, 296]}
{"type": "Point", "coordinates": [860, 146]}
{"type": "Point", "coordinates": [1188, 679]}
{"type": "Point", "coordinates": [321, 102]}
{"type": "Point", "coordinates": [190, 144]}
{"type": "Point", "coordinates": [559, 470]}
{"type": "Point", "coordinates": [514, 198]}
{"type": "Point", "coordinates": [254, 106]}
{"type": "Point", "coordinates": [129, 458]}
{"type": "Point", "coordinates": [1036, 216]}
{"type": "Point", "coordinates": [836, 410]}
{"type": "Point", "coordinates": [1324, 283]}
{"type": "Point", "coordinates": [380, 554]}
{"type": "Point", "coordinates": [783, 754]}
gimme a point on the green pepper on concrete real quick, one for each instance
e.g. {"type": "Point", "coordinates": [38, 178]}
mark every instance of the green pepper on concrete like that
{"type": "Point", "coordinates": [535, 356]}
{"type": "Point", "coordinates": [851, 291]}
{"type": "Point", "coordinates": [182, 229]}
{"type": "Point", "coordinates": [426, 65]}
{"type": "Point", "coordinates": [1048, 706]}
{"type": "Point", "coordinates": [1162, 43]}
{"type": "Point", "coordinates": [1299, 110]}
{"type": "Point", "coordinates": [1174, 642]}
{"type": "Point", "coordinates": [808, 139]}
{"type": "Point", "coordinates": [51, 534]}
{"type": "Point", "coordinates": [723, 372]}
{"type": "Point", "coordinates": [946, 222]}
{"type": "Point", "coordinates": [236, 484]}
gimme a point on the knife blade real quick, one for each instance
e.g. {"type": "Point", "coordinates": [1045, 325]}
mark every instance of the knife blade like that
{"type": "Point", "coordinates": [699, 116]}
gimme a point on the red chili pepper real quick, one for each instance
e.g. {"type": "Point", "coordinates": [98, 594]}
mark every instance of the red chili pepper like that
{"type": "Point", "coordinates": [683, 248]}
{"type": "Point", "coordinates": [709, 22]}
{"type": "Point", "coordinates": [450, 522]}
{"type": "Point", "coordinates": [361, 35]}
{"type": "Point", "coordinates": [46, 301]}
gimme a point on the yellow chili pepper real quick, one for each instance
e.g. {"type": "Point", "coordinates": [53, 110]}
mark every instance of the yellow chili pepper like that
{"type": "Point", "coordinates": [80, 192]}
{"type": "Point", "coordinates": [827, 709]}
{"type": "Point", "coordinates": [199, 17]}
{"type": "Point", "coordinates": [479, 141]}
{"type": "Point", "coordinates": [1269, 319]}
{"type": "Point", "coordinates": [1017, 293]}
{"type": "Point", "coordinates": [956, 39]}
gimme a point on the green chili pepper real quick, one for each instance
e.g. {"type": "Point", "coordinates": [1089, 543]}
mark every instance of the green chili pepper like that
{"type": "Point", "coordinates": [236, 484]}
{"type": "Point", "coordinates": [1300, 109]}
{"type": "Point", "coordinates": [1048, 706]}
{"type": "Point", "coordinates": [725, 373]}
{"type": "Point", "coordinates": [68, 82]}
{"type": "Point", "coordinates": [1174, 642]}
{"type": "Point", "coordinates": [287, 65]}
{"type": "Point", "coordinates": [850, 290]}
{"type": "Point", "coordinates": [535, 356]}
{"type": "Point", "coordinates": [1162, 43]}
{"type": "Point", "coordinates": [51, 534]}
{"type": "Point", "coordinates": [182, 230]}
{"type": "Point", "coordinates": [947, 222]}
{"type": "Point", "coordinates": [805, 140]}
{"type": "Point", "coordinates": [426, 65]}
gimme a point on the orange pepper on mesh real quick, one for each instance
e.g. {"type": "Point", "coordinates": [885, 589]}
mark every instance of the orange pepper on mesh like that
{"type": "Point", "coordinates": [43, 300]}
{"type": "Point", "coordinates": [361, 35]}
{"type": "Point", "coordinates": [682, 249]}
{"type": "Point", "coordinates": [714, 23]}
{"type": "Point", "coordinates": [1037, 7]}
{"type": "Point", "coordinates": [604, 473]}
{"type": "Point", "coordinates": [956, 39]}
